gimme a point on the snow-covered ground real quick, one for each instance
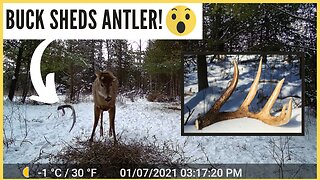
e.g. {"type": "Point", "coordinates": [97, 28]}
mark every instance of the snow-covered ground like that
{"type": "Point", "coordinates": [33, 130]}
{"type": "Point", "coordinates": [220, 73]}
{"type": "Point", "coordinates": [48, 131]}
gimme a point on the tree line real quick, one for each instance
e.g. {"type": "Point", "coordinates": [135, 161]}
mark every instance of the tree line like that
{"type": "Point", "coordinates": [157, 69]}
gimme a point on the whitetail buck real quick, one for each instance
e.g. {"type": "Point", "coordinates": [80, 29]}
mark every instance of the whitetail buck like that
{"type": "Point", "coordinates": [213, 115]}
{"type": "Point", "coordinates": [104, 90]}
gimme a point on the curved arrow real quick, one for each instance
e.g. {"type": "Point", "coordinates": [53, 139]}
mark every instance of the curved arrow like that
{"type": "Point", "coordinates": [46, 94]}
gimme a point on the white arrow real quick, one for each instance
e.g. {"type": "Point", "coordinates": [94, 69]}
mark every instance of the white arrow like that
{"type": "Point", "coordinates": [47, 94]}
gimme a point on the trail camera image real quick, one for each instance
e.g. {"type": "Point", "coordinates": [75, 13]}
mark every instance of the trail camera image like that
{"type": "Point", "coordinates": [243, 94]}
{"type": "Point", "coordinates": [182, 108]}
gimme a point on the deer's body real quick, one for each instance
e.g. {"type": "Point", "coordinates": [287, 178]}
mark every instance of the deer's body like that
{"type": "Point", "coordinates": [104, 90]}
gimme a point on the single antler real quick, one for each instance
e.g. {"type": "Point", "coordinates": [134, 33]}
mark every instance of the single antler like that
{"type": "Point", "coordinates": [213, 115]}
{"type": "Point", "coordinates": [73, 113]}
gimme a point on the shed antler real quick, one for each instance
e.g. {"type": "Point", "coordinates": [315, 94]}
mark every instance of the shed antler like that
{"type": "Point", "coordinates": [213, 115]}
{"type": "Point", "coordinates": [73, 113]}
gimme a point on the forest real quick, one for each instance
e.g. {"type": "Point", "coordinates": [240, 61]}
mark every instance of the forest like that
{"type": "Point", "coordinates": [151, 86]}
{"type": "Point", "coordinates": [76, 61]}
{"type": "Point", "coordinates": [155, 68]}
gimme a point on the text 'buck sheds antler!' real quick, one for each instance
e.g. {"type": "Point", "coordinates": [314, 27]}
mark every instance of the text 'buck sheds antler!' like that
{"type": "Point", "coordinates": [213, 115]}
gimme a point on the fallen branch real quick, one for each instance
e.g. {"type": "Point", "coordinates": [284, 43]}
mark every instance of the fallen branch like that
{"type": "Point", "coordinates": [174, 108]}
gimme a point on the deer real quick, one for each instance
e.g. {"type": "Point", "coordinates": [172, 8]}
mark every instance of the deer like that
{"type": "Point", "coordinates": [214, 115]}
{"type": "Point", "coordinates": [104, 90]}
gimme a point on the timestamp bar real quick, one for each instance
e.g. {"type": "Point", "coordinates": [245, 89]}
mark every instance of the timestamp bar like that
{"type": "Point", "coordinates": [180, 173]}
{"type": "Point", "coordinates": [302, 171]}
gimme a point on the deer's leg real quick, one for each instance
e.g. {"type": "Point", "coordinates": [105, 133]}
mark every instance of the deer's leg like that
{"type": "Point", "coordinates": [101, 126]}
{"type": "Point", "coordinates": [96, 119]}
{"type": "Point", "coordinates": [112, 113]}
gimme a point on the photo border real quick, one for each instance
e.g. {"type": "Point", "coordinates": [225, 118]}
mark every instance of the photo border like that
{"type": "Point", "coordinates": [177, 1]}
{"type": "Point", "coordinates": [302, 61]}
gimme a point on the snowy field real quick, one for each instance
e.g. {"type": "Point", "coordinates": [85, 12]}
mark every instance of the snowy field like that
{"type": "Point", "coordinates": [220, 73]}
{"type": "Point", "coordinates": [33, 130]}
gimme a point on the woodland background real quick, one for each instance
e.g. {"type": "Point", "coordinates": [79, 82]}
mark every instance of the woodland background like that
{"type": "Point", "coordinates": [150, 132]}
{"type": "Point", "coordinates": [156, 70]}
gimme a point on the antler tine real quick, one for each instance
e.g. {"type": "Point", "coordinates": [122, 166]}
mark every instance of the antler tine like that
{"type": "Point", "coordinates": [227, 93]}
{"type": "Point", "coordinates": [289, 112]}
{"type": "Point", "coordinates": [253, 89]}
{"type": "Point", "coordinates": [286, 112]}
{"type": "Point", "coordinates": [286, 116]}
{"type": "Point", "coordinates": [267, 107]}
{"type": "Point", "coordinates": [282, 119]}
{"type": "Point", "coordinates": [203, 122]}
{"type": "Point", "coordinates": [264, 115]}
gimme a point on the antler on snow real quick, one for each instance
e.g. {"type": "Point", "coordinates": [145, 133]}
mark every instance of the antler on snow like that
{"type": "Point", "coordinates": [213, 115]}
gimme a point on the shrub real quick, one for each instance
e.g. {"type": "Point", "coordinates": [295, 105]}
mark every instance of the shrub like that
{"type": "Point", "coordinates": [109, 158]}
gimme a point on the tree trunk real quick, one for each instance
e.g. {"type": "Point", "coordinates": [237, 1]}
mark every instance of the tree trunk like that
{"type": "Point", "coordinates": [26, 85]}
{"type": "Point", "coordinates": [72, 91]}
{"type": "Point", "coordinates": [202, 72]}
{"type": "Point", "coordinates": [16, 73]}
{"type": "Point", "coordinates": [93, 65]}
{"type": "Point", "coordinates": [264, 59]}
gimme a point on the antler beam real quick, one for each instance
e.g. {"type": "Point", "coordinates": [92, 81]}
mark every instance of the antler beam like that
{"type": "Point", "coordinates": [213, 115]}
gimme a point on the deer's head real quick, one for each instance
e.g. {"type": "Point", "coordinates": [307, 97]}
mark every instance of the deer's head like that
{"type": "Point", "coordinates": [104, 84]}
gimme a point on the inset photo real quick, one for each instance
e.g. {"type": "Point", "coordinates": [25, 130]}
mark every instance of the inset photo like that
{"type": "Point", "coordinates": [243, 94]}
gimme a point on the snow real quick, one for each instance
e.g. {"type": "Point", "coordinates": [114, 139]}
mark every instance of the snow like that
{"type": "Point", "coordinates": [220, 74]}
{"type": "Point", "coordinates": [48, 129]}
{"type": "Point", "coordinates": [48, 132]}
{"type": "Point", "coordinates": [245, 125]}
{"type": "Point", "coordinates": [33, 130]}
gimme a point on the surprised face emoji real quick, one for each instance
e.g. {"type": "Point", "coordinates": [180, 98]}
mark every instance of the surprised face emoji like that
{"type": "Point", "coordinates": [181, 20]}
